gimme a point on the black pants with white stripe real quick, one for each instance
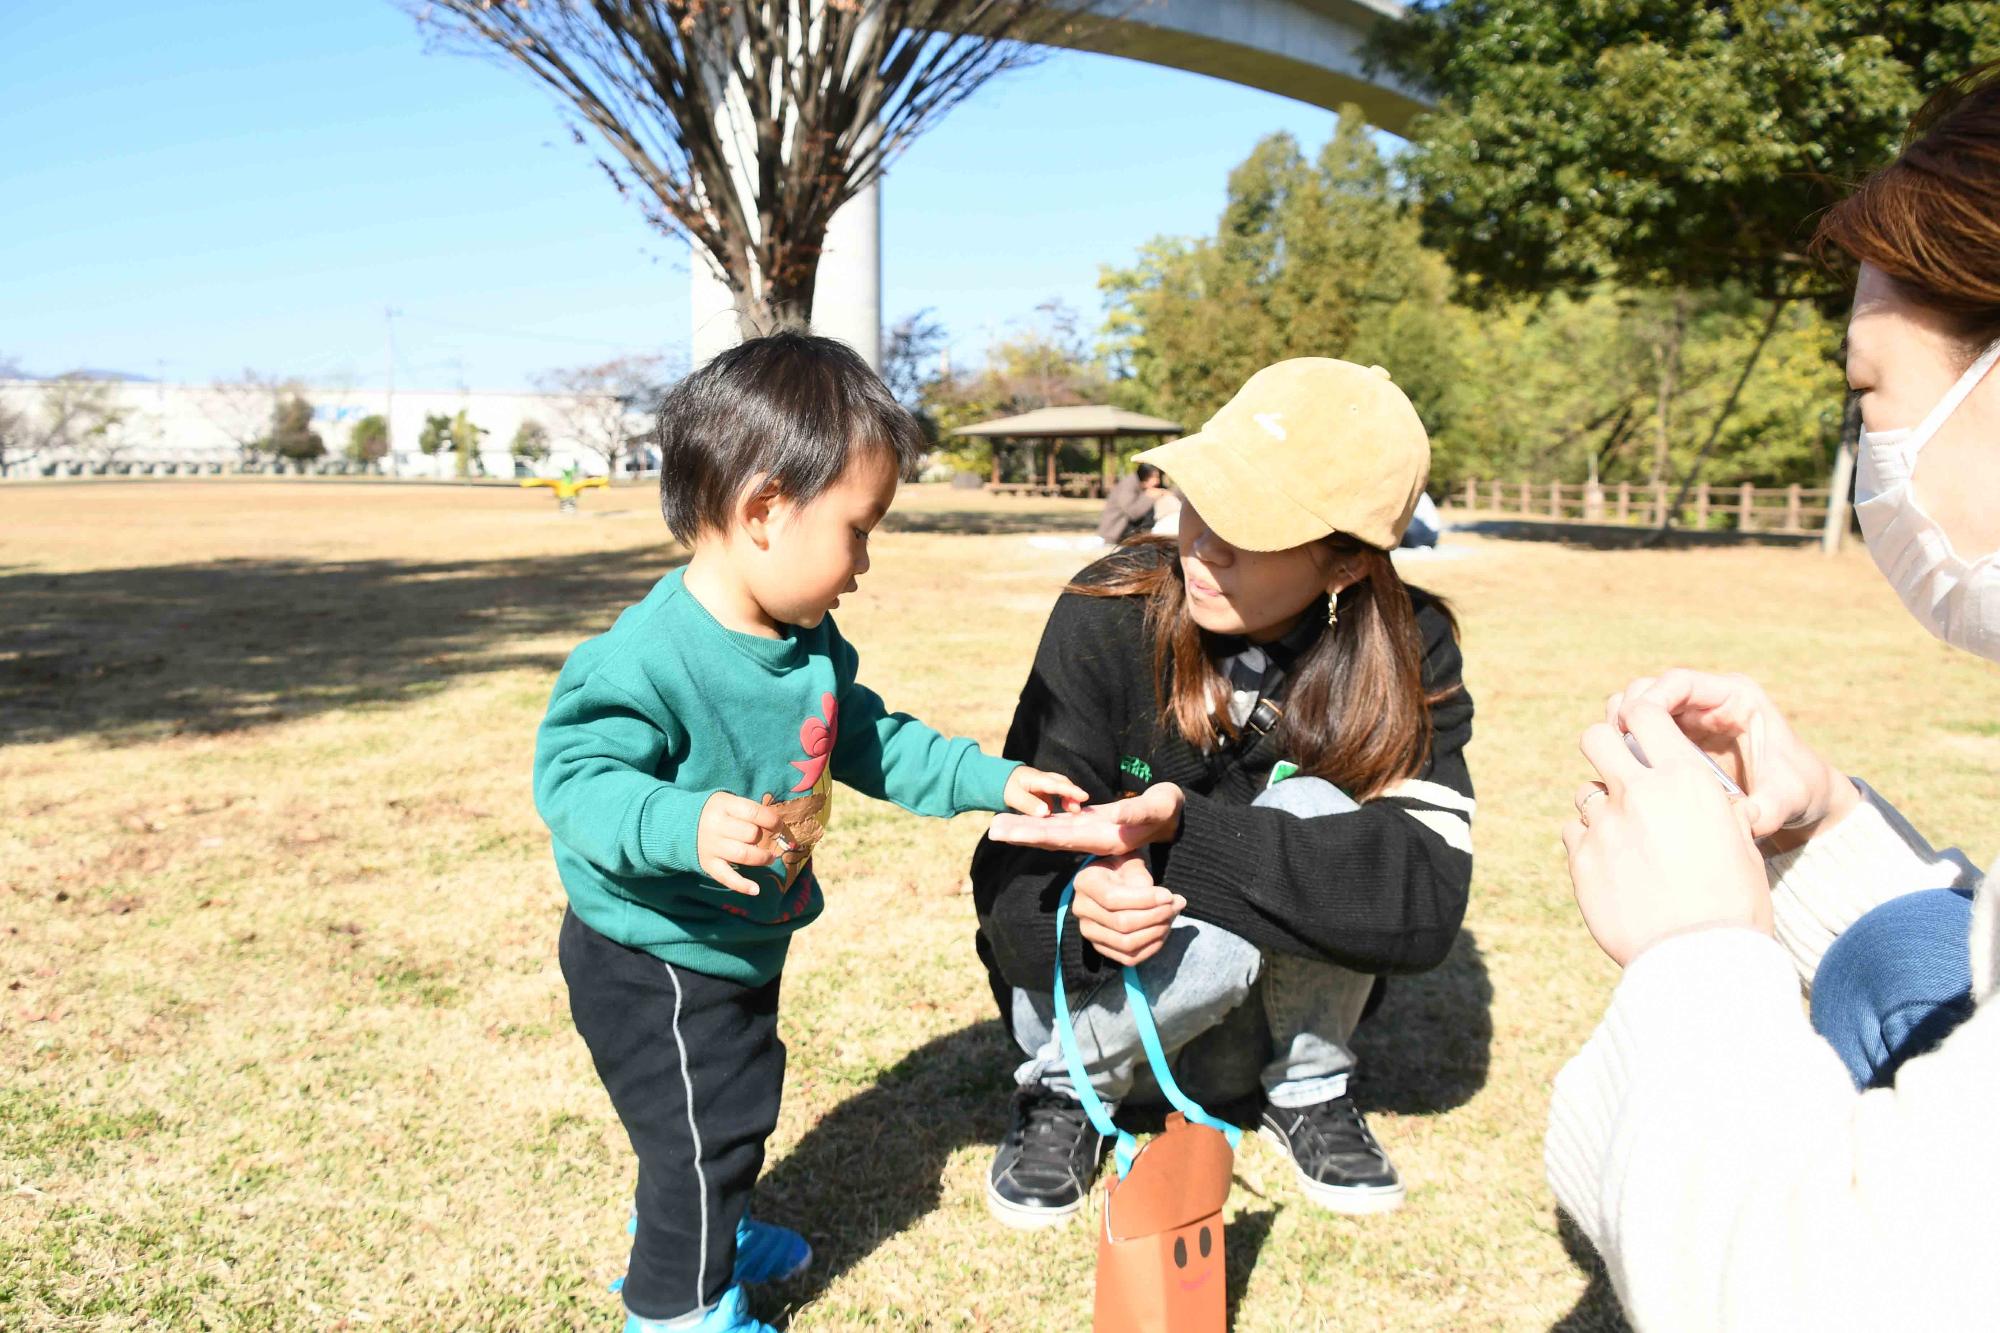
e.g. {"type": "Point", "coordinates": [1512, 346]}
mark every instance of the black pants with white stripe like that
{"type": "Point", "coordinates": [695, 1070]}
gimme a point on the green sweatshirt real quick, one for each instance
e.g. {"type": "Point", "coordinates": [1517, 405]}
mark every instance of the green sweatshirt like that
{"type": "Point", "coordinates": [651, 718]}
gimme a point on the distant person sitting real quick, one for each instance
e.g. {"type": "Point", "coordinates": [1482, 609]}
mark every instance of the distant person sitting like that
{"type": "Point", "coordinates": [1128, 510]}
{"type": "Point", "coordinates": [1426, 525]}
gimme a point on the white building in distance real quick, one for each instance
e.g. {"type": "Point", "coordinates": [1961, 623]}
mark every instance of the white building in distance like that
{"type": "Point", "coordinates": [162, 428]}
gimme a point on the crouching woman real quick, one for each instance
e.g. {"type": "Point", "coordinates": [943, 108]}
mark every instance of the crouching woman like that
{"type": "Point", "coordinates": [1273, 725]}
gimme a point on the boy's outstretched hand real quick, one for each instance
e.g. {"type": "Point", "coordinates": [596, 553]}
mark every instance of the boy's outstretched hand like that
{"type": "Point", "coordinates": [1034, 792]}
{"type": "Point", "coordinates": [1154, 815]}
{"type": "Point", "coordinates": [735, 832]}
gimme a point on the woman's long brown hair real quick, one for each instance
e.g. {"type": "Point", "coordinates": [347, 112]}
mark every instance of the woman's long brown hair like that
{"type": "Point", "coordinates": [1355, 709]}
{"type": "Point", "coordinates": [1931, 218]}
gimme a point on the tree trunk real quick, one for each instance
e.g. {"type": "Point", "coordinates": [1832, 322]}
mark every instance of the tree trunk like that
{"type": "Point", "coordinates": [788, 303]}
{"type": "Point", "coordinates": [1722, 417]}
{"type": "Point", "coordinates": [1668, 355]}
{"type": "Point", "coordinates": [1841, 484]}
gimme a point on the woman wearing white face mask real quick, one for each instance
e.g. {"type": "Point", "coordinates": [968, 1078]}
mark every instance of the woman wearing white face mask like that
{"type": "Point", "coordinates": [1708, 1139]}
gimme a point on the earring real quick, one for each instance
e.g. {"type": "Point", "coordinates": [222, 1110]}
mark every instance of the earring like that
{"type": "Point", "coordinates": [1332, 610]}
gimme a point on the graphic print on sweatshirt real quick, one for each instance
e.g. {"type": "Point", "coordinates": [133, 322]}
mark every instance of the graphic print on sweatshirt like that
{"type": "Point", "coordinates": [807, 816]}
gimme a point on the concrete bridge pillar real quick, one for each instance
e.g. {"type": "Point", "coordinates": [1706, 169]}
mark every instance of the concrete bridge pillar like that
{"type": "Point", "coordinates": [1309, 50]}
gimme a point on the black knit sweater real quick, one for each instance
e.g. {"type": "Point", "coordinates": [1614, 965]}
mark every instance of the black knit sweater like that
{"type": "Point", "coordinates": [1379, 890]}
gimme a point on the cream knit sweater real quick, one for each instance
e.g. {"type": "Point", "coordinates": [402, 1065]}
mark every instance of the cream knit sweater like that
{"type": "Point", "coordinates": [1713, 1148]}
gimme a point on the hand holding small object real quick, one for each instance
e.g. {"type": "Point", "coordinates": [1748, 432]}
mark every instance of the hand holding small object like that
{"type": "Point", "coordinates": [733, 831]}
{"type": "Point", "coordinates": [1112, 829]}
{"type": "Point", "coordinates": [1661, 849]}
{"type": "Point", "coordinates": [1792, 793]}
{"type": "Point", "coordinates": [1728, 783]}
{"type": "Point", "coordinates": [1037, 793]}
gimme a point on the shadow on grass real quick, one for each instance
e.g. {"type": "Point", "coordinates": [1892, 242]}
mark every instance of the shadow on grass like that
{"type": "Point", "coordinates": [990, 522]}
{"type": "Point", "coordinates": [213, 647]}
{"type": "Point", "coordinates": [874, 1166]}
{"type": "Point", "coordinates": [1242, 1241]}
{"type": "Point", "coordinates": [1597, 1310]}
{"type": "Point", "coordinates": [1429, 1046]}
{"type": "Point", "coordinates": [1622, 536]}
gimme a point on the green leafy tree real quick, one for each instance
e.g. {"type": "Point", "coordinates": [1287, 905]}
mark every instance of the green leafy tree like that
{"type": "Point", "coordinates": [292, 437]}
{"type": "Point", "coordinates": [368, 442]}
{"type": "Point", "coordinates": [1623, 385]}
{"type": "Point", "coordinates": [1322, 256]}
{"type": "Point", "coordinates": [465, 444]}
{"type": "Point", "coordinates": [1312, 257]}
{"type": "Point", "coordinates": [1661, 143]}
{"type": "Point", "coordinates": [1664, 145]}
{"type": "Point", "coordinates": [435, 435]}
{"type": "Point", "coordinates": [530, 442]}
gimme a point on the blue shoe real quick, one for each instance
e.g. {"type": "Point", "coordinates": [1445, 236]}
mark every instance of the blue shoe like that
{"type": "Point", "coordinates": [764, 1252]}
{"type": "Point", "coordinates": [731, 1314]}
{"type": "Point", "coordinates": [768, 1253]}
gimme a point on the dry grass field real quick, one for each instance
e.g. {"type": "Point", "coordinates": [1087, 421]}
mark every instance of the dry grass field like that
{"type": "Point", "coordinates": [284, 1041]}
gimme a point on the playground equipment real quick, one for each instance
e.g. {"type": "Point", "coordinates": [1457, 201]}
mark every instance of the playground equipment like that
{"type": "Point", "coordinates": [567, 487]}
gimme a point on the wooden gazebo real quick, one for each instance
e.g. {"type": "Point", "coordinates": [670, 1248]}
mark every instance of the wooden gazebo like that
{"type": "Point", "coordinates": [1045, 429]}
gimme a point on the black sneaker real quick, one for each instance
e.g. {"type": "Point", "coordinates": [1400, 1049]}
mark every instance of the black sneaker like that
{"type": "Point", "coordinates": [1044, 1167]}
{"type": "Point", "coordinates": [1340, 1165]}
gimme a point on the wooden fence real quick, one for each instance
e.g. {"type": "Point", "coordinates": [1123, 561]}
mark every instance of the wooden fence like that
{"type": "Point", "coordinates": [1745, 508]}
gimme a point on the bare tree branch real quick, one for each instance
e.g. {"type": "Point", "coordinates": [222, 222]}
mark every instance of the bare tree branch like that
{"type": "Point", "coordinates": [599, 408]}
{"type": "Point", "coordinates": [744, 125]}
{"type": "Point", "coordinates": [242, 408]}
{"type": "Point", "coordinates": [74, 412]}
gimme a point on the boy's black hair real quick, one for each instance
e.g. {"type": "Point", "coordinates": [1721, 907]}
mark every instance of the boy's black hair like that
{"type": "Point", "coordinates": [1147, 472]}
{"type": "Point", "coordinates": [789, 408]}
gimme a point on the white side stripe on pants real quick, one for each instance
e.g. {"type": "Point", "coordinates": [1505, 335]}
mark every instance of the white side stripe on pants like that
{"type": "Point", "coordinates": [701, 1181]}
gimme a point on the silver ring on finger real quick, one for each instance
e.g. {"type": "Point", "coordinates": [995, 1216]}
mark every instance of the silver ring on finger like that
{"type": "Point", "coordinates": [1583, 801]}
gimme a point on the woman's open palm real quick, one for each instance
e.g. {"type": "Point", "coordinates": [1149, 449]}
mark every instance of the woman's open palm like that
{"type": "Point", "coordinates": [1112, 829]}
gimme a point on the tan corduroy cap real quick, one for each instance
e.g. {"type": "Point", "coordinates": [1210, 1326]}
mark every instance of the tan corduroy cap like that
{"type": "Point", "coordinates": [1307, 448]}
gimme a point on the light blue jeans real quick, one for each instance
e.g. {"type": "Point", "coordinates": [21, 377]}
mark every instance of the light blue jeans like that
{"type": "Point", "coordinates": [1230, 1017]}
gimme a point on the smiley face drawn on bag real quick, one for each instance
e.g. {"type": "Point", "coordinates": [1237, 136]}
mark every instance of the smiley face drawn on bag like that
{"type": "Point", "coordinates": [1161, 1242]}
{"type": "Point", "coordinates": [1192, 1250]}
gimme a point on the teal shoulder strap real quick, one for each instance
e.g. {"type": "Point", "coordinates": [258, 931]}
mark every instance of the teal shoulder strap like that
{"type": "Point", "coordinates": [1149, 1037]}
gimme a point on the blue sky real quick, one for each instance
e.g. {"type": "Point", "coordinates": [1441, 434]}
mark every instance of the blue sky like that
{"type": "Point", "coordinates": [193, 188]}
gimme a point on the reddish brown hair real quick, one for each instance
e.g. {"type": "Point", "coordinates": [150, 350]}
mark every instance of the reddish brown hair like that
{"type": "Point", "coordinates": [1355, 709]}
{"type": "Point", "coordinates": [1931, 218]}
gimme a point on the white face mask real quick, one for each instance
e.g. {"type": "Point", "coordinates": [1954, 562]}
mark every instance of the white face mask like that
{"type": "Point", "coordinates": [1955, 599]}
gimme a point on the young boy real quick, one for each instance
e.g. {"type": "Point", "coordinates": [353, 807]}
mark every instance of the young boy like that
{"type": "Point", "coordinates": [685, 770]}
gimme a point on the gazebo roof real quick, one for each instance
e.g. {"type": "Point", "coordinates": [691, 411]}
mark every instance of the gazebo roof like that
{"type": "Point", "coordinates": [1066, 423]}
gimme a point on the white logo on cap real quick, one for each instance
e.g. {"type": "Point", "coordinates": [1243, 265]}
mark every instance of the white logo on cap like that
{"type": "Point", "coordinates": [1272, 422]}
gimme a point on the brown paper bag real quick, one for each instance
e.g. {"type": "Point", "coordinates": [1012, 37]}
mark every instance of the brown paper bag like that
{"type": "Point", "coordinates": [1159, 1246]}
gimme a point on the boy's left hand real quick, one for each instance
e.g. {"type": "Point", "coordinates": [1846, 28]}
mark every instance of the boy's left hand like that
{"type": "Point", "coordinates": [1034, 792]}
{"type": "Point", "coordinates": [1154, 815]}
